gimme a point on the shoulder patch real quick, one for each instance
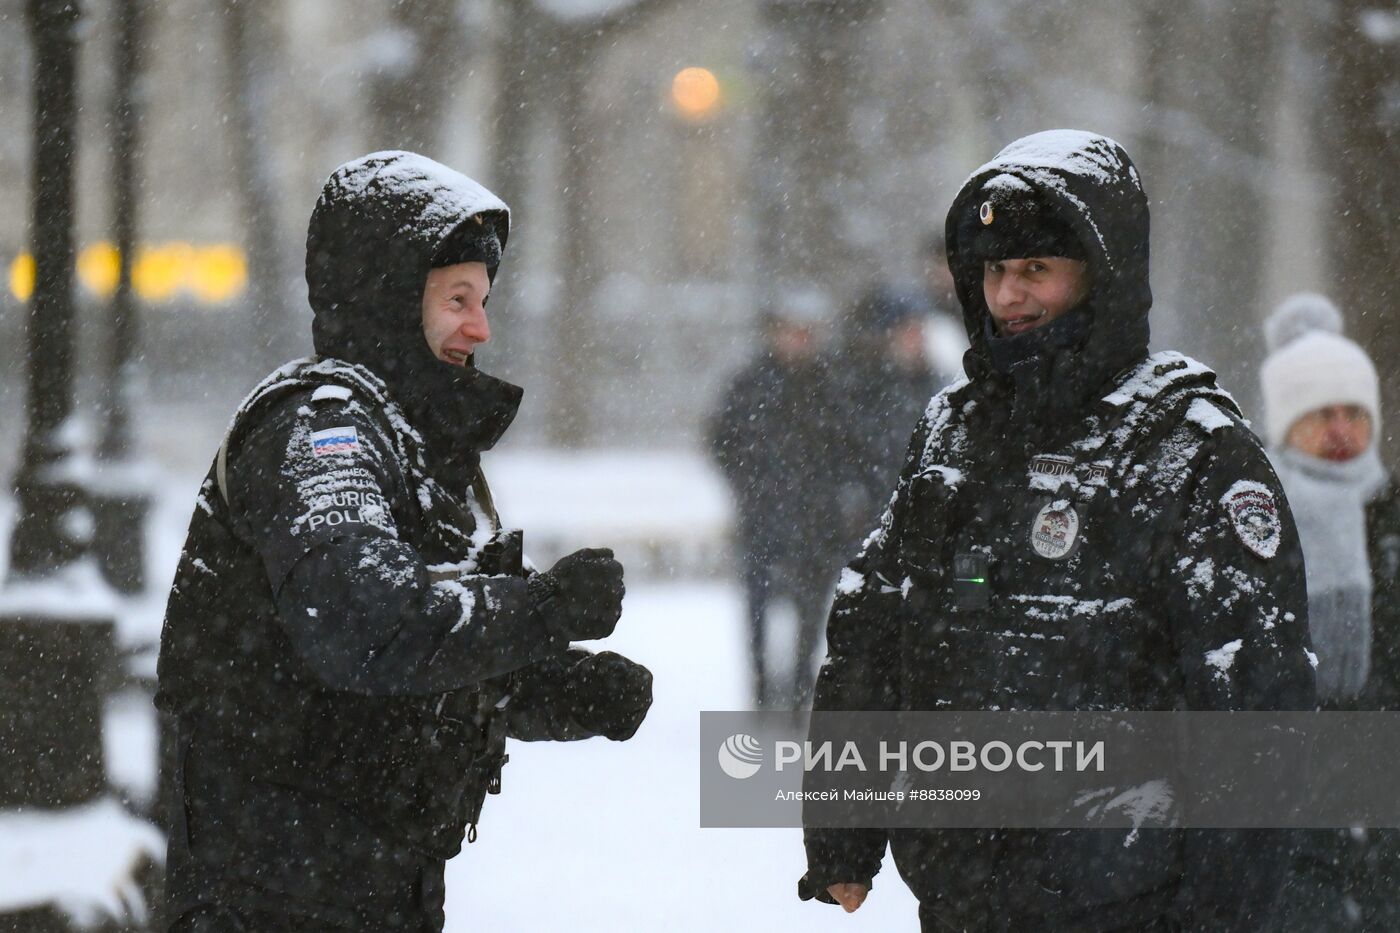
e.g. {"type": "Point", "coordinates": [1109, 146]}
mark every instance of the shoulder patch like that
{"type": "Point", "coordinates": [339, 440]}
{"type": "Point", "coordinates": [331, 393]}
{"type": "Point", "coordinates": [1253, 513]}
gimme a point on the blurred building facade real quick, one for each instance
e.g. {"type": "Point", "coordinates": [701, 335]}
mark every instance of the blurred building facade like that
{"type": "Point", "coordinates": [649, 227]}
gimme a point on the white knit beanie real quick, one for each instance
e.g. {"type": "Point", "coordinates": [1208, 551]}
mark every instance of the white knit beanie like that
{"type": "Point", "coordinates": [1311, 366]}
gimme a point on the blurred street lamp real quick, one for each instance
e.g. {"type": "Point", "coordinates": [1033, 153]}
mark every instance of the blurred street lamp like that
{"type": "Point", "coordinates": [695, 92]}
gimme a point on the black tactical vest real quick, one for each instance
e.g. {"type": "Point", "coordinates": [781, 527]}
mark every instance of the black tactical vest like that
{"type": "Point", "coordinates": [417, 767]}
{"type": "Point", "coordinates": [1027, 584]}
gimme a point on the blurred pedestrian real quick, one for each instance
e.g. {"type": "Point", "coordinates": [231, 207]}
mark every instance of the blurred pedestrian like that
{"type": "Point", "coordinates": [352, 634]}
{"type": "Point", "coordinates": [1322, 415]}
{"type": "Point", "coordinates": [773, 437]}
{"type": "Point", "coordinates": [938, 277]}
{"type": "Point", "coordinates": [884, 378]}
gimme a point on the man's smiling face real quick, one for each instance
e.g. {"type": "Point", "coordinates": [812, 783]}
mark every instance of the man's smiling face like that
{"type": "Point", "coordinates": [1023, 294]}
{"type": "Point", "coordinates": [454, 311]}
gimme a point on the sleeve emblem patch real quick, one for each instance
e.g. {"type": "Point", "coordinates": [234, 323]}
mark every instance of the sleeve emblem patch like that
{"type": "Point", "coordinates": [335, 441]}
{"type": "Point", "coordinates": [1253, 513]}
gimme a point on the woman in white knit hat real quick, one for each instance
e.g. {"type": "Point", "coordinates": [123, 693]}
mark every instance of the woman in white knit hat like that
{"type": "Point", "coordinates": [1322, 422]}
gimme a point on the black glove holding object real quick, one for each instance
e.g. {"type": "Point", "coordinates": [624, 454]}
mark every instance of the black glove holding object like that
{"type": "Point", "coordinates": [609, 694]}
{"type": "Point", "coordinates": [580, 597]}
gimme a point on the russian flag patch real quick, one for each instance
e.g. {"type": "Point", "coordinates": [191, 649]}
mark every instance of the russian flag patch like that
{"type": "Point", "coordinates": [335, 441]}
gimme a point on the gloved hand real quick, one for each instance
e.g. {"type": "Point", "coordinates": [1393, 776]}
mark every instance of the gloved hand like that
{"type": "Point", "coordinates": [580, 597]}
{"type": "Point", "coordinates": [609, 695]}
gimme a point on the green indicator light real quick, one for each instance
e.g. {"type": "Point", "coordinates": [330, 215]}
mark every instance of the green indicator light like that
{"type": "Point", "coordinates": [969, 579]}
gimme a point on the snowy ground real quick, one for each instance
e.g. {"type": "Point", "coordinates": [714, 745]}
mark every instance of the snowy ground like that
{"type": "Point", "coordinates": [586, 836]}
{"type": "Point", "coordinates": [602, 836]}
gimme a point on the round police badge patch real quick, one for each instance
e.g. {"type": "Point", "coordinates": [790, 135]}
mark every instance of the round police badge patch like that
{"type": "Point", "coordinates": [1253, 514]}
{"type": "Point", "coordinates": [1055, 530]}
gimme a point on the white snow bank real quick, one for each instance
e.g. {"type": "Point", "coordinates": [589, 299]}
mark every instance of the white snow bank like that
{"type": "Point", "coordinates": [1380, 26]}
{"type": "Point", "coordinates": [666, 511]}
{"type": "Point", "coordinates": [78, 860]}
{"type": "Point", "coordinates": [576, 10]}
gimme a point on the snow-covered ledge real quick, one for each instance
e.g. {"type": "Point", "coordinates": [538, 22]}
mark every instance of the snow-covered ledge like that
{"type": "Point", "coordinates": [81, 861]}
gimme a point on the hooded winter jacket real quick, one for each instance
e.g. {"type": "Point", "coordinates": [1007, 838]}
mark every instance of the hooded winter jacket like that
{"type": "Point", "coordinates": [348, 638]}
{"type": "Point", "coordinates": [1128, 528]}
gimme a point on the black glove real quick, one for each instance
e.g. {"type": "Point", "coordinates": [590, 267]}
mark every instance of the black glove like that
{"type": "Point", "coordinates": [609, 695]}
{"type": "Point", "coordinates": [580, 597]}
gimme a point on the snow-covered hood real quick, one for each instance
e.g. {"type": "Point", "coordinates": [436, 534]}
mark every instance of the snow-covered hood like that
{"type": "Point", "coordinates": [1092, 185]}
{"type": "Point", "coordinates": [371, 241]}
{"type": "Point", "coordinates": [369, 248]}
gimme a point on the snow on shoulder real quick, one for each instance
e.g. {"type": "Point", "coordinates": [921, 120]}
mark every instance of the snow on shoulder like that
{"type": "Point", "coordinates": [850, 582]}
{"type": "Point", "coordinates": [1207, 415]}
{"type": "Point", "coordinates": [1156, 373]}
{"type": "Point", "coordinates": [1223, 658]}
{"type": "Point", "coordinates": [328, 393]}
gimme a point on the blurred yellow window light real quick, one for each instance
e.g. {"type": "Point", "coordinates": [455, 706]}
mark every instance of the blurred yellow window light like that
{"type": "Point", "coordinates": [99, 267]}
{"type": "Point", "coordinates": [219, 273]}
{"type": "Point", "coordinates": [22, 276]}
{"type": "Point", "coordinates": [159, 271]}
{"type": "Point", "coordinates": [213, 274]}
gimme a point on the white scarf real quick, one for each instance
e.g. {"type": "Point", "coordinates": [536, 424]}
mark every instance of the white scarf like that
{"type": "Point", "coordinates": [1328, 500]}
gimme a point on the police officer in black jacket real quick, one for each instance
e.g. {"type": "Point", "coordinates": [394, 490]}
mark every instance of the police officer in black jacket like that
{"type": "Point", "coordinates": [352, 634]}
{"type": "Point", "coordinates": [1079, 525]}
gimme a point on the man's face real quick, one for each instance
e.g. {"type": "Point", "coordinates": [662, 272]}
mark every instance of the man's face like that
{"type": "Point", "coordinates": [454, 311]}
{"type": "Point", "coordinates": [793, 342]}
{"type": "Point", "coordinates": [1024, 294]}
{"type": "Point", "coordinates": [1337, 433]}
{"type": "Point", "coordinates": [908, 346]}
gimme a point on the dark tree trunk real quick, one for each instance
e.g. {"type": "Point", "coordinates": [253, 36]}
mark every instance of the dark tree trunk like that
{"type": "Point", "coordinates": [808, 171]}
{"type": "Point", "coordinates": [119, 503]}
{"type": "Point", "coordinates": [1362, 146]}
{"type": "Point", "coordinates": [125, 325]}
{"type": "Point", "coordinates": [43, 539]}
{"type": "Point", "coordinates": [1209, 171]}
{"type": "Point", "coordinates": [570, 329]}
{"type": "Point", "coordinates": [575, 47]}
{"type": "Point", "coordinates": [408, 93]}
{"type": "Point", "coordinates": [514, 111]}
{"type": "Point", "coordinates": [247, 46]}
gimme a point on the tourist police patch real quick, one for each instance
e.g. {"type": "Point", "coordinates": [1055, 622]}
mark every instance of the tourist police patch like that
{"type": "Point", "coordinates": [1253, 513]}
{"type": "Point", "coordinates": [1055, 530]}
